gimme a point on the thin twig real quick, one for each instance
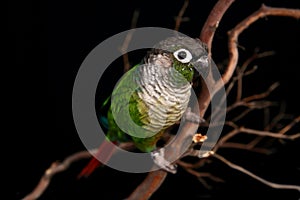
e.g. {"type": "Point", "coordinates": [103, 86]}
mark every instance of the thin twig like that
{"type": "Point", "coordinates": [254, 132]}
{"type": "Point", "coordinates": [184, 164]}
{"type": "Point", "coordinates": [245, 147]}
{"type": "Point", "coordinates": [289, 126]}
{"type": "Point", "coordinates": [242, 69]}
{"type": "Point", "coordinates": [228, 89]}
{"type": "Point", "coordinates": [190, 168]}
{"type": "Point", "coordinates": [269, 134]}
{"type": "Point", "coordinates": [243, 170]}
{"type": "Point", "coordinates": [202, 175]}
{"type": "Point", "coordinates": [266, 119]}
{"type": "Point", "coordinates": [204, 183]}
{"type": "Point", "coordinates": [241, 115]}
{"type": "Point", "coordinates": [180, 15]}
{"type": "Point", "coordinates": [156, 178]}
{"type": "Point", "coordinates": [55, 168]}
{"type": "Point", "coordinates": [251, 106]}
{"type": "Point", "coordinates": [245, 101]}
{"type": "Point", "coordinates": [236, 78]}
{"type": "Point", "coordinates": [127, 40]}
{"type": "Point", "coordinates": [195, 165]}
{"type": "Point", "coordinates": [237, 30]}
{"type": "Point", "coordinates": [262, 95]}
{"type": "Point", "coordinates": [225, 139]}
{"type": "Point", "coordinates": [270, 126]}
{"type": "Point", "coordinates": [277, 118]}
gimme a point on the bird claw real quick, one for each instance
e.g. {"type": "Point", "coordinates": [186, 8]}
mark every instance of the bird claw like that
{"type": "Point", "coordinates": [159, 160]}
{"type": "Point", "coordinates": [192, 117]}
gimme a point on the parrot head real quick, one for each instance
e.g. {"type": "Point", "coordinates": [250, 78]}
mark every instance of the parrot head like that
{"type": "Point", "coordinates": [186, 55]}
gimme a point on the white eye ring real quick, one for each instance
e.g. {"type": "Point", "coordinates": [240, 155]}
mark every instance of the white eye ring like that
{"type": "Point", "coordinates": [183, 55]}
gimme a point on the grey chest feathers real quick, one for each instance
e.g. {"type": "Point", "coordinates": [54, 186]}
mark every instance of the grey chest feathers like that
{"type": "Point", "coordinates": [165, 98]}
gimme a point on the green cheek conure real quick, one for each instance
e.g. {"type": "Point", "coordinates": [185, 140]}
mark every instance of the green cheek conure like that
{"type": "Point", "coordinates": [153, 95]}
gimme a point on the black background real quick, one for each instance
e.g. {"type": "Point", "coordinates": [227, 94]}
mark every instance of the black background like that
{"type": "Point", "coordinates": [58, 35]}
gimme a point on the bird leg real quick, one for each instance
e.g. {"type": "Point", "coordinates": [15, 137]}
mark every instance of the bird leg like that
{"type": "Point", "coordinates": [158, 157]}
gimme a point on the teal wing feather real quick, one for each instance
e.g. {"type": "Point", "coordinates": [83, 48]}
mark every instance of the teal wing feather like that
{"type": "Point", "coordinates": [103, 112]}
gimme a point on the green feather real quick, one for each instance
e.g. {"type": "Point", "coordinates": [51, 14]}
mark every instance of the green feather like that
{"type": "Point", "coordinates": [185, 70]}
{"type": "Point", "coordinates": [138, 111]}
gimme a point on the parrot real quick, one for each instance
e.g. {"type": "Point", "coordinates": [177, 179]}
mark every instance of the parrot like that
{"type": "Point", "coordinates": [156, 92]}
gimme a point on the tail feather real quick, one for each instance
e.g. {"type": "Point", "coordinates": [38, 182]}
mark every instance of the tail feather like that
{"type": "Point", "coordinates": [89, 168]}
{"type": "Point", "coordinates": [107, 148]}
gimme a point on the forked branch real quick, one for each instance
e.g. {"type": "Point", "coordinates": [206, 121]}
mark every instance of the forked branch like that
{"type": "Point", "coordinates": [154, 179]}
{"type": "Point", "coordinates": [206, 36]}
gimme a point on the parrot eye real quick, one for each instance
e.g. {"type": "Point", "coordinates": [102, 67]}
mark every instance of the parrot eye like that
{"type": "Point", "coordinates": [183, 55]}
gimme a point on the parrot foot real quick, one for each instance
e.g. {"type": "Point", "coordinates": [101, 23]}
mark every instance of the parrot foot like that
{"type": "Point", "coordinates": [159, 160]}
{"type": "Point", "coordinates": [192, 117]}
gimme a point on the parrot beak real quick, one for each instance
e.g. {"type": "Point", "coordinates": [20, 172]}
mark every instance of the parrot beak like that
{"type": "Point", "coordinates": [202, 66]}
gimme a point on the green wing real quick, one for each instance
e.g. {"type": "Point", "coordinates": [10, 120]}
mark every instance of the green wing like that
{"type": "Point", "coordinates": [130, 112]}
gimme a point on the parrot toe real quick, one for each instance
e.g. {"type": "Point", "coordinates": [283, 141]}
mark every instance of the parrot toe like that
{"type": "Point", "coordinates": [159, 160]}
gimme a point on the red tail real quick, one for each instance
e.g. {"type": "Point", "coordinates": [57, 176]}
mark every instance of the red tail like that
{"type": "Point", "coordinates": [107, 150]}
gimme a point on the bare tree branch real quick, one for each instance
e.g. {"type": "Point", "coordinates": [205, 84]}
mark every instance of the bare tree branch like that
{"type": "Point", "coordinates": [289, 126]}
{"type": "Point", "coordinates": [55, 168]}
{"type": "Point", "coordinates": [242, 69]}
{"type": "Point", "coordinates": [243, 170]}
{"type": "Point", "coordinates": [154, 179]}
{"type": "Point", "coordinates": [246, 101]}
{"type": "Point", "coordinates": [206, 36]}
{"type": "Point", "coordinates": [245, 147]}
{"type": "Point", "coordinates": [212, 22]}
{"type": "Point", "coordinates": [225, 139]}
{"type": "Point", "coordinates": [270, 125]}
{"type": "Point", "coordinates": [152, 182]}
{"type": "Point", "coordinates": [190, 128]}
{"type": "Point", "coordinates": [262, 95]}
{"type": "Point", "coordinates": [237, 30]}
{"type": "Point", "coordinates": [190, 168]}
{"type": "Point", "coordinates": [269, 134]}
{"type": "Point", "coordinates": [238, 130]}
